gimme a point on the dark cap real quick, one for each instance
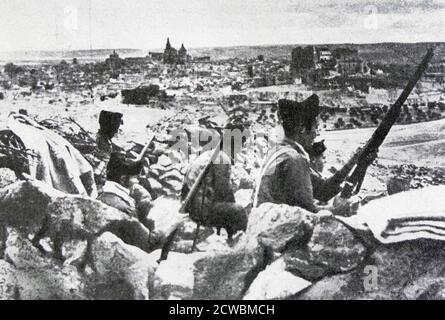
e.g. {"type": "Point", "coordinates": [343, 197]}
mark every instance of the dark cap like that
{"type": "Point", "coordinates": [107, 117]}
{"type": "Point", "coordinates": [294, 113]}
{"type": "Point", "coordinates": [110, 122]}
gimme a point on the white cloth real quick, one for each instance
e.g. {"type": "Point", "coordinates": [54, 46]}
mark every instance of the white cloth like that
{"type": "Point", "coordinates": [60, 164]}
{"type": "Point", "coordinates": [404, 216]}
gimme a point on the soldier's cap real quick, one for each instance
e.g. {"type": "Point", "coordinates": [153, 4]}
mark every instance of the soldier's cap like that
{"type": "Point", "coordinates": [299, 113]}
{"type": "Point", "coordinates": [107, 117]}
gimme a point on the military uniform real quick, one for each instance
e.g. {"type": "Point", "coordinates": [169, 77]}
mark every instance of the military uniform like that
{"type": "Point", "coordinates": [109, 124]}
{"type": "Point", "coordinates": [215, 186]}
{"type": "Point", "coordinates": [287, 175]}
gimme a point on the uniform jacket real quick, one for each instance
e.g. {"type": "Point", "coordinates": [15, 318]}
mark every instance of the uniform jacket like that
{"type": "Point", "coordinates": [287, 177]}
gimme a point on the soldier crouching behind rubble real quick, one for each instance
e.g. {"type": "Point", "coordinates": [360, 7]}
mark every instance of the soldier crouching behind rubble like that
{"type": "Point", "coordinates": [109, 124]}
{"type": "Point", "coordinates": [287, 175]}
{"type": "Point", "coordinates": [214, 203]}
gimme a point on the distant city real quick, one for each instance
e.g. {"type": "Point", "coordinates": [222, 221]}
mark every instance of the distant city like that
{"type": "Point", "coordinates": [356, 84]}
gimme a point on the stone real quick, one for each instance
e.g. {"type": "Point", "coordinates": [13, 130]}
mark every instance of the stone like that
{"type": "Point", "coordinates": [397, 183]}
{"type": "Point", "coordinates": [3, 237]}
{"type": "Point", "coordinates": [182, 246]}
{"type": "Point", "coordinates": [219, 275]}
{"type": "Point", "coordinates": [187, 230]}
{"type": "Point", "coordinates": [338, 287]}
{"type": "Point", "coordinates": [226, 275]}
{"type": "Point", "coordinates": [298, 262]}
{"type": "Point", "coordinates": [408, 270]}
{"type": "Point", "coordinates": [156, 187]}
{"type": "Point", "coordinates": [8, 281]}
{"type": "Point", "coordinates": [172, 176]}
{"type": "Point", "coordinates": [42, 278]}
{"type": "Point", "coordinates": [410, 263]}
{"type": "Point", "coordinates": [240, 179]}
{"type": "Point", "coordinates": [425, 288]}
{"type": "Point", "coordinates": [174, 187]}
{"type": "Point", "coordinates": [175, 156]}
{"type": "Point", "coordinates": [175, 277]}
{"type": "Point", "coordinates": [7, 177]}
{"type": "Point", "coordinates": [74, 217]}
{"type": "Point", "coordinates": [214, 243]}
{"type": "Point", "coordinates": [74, 251]}
{"type": "Point", "coordinates": [275, 283]}
{"type": "Point", "coordinates": [164, 161]}
{"type": "Point", "coordinates": [243, 197]}
{"type": "Point", "coordinates": [166, 218]}
{"type": "Point", "coordinates": [24, 205]}
{"type": "Point", "coordinates": [278, 225]}
{"type": "Point", "coordinates": [122, 271]}
{"type": "Point", "coordinates": [333, 246]}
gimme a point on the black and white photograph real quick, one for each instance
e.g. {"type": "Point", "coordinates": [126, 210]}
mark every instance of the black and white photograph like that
{"type": "Point", "coordinates": [242, 152]}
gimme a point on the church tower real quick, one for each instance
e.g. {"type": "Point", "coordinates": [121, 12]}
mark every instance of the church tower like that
{"type": "Point", "coordinates": [170, 53]}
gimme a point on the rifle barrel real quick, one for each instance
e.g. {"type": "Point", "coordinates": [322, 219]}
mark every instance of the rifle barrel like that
{"type": "Point", "coordinates": [388, 121]}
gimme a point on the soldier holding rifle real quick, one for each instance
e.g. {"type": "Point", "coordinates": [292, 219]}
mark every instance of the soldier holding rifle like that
{"type": "Point", "coordinates": [286, 174]}
{"type": "Point", "coordinates": [207, 194]}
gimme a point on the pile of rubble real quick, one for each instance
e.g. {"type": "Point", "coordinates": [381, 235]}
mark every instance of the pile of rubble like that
{"type": "Point", "coordinates": [59, 246]}
{"type": "Point", "coordinates": [419, 177]}
{"type": "Point", "coordinates": [87, 250]}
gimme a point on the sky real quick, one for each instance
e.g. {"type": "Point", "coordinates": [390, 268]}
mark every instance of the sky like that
{"type": "Point", "coordinates": [145, 24]}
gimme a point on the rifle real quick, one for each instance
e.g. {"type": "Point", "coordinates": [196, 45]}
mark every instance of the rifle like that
{"type": "Point", "coordinates": [379, 135]}
{"type": "Point", "coordinates": [142, 153]}
{"type": "Point", "coordinates": [82, 129]}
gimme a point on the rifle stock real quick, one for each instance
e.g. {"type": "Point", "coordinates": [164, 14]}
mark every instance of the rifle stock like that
{"type": "Point", "coordinates": [379, 135]}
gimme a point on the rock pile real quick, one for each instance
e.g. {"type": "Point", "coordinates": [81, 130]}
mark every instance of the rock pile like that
{"type": "Point", "coordinates": [59, 246]}
{"type": "Point", "coordinates": [420, 177]}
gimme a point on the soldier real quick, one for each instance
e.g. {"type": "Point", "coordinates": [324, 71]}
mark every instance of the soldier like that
{"type": "Point", "coordinates": [214, 203]}
{"type": "Point", "coordinates": [286, 175]}
{"type": "Point", "coordinates": [109, 123]}
{"type": "Point", "coordinates": [109, 126]}
{"type": "Point", "coordinates": [116, 191]}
